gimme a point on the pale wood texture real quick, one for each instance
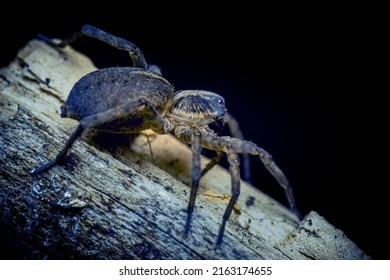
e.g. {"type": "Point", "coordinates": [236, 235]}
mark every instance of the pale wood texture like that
{"type": "Point", "coordinates": [112, 202]}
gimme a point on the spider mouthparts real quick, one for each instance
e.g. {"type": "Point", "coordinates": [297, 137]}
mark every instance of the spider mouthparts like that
{"type": "Point", "coordinates": [220, 117]}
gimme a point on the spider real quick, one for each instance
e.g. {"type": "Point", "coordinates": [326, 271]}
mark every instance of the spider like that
{"type": "Point", "coordinates": [133, 99]}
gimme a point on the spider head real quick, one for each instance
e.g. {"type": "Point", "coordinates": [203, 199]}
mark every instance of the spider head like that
{"type": "Point", "coordinates": [197, 107]}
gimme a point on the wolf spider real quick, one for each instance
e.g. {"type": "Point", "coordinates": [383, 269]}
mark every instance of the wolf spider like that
{"type": "Point", "coordinates": [132, 99]}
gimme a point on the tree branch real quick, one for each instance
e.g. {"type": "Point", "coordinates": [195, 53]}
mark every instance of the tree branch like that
{"type": "Point", "coordinates": [110, 199]}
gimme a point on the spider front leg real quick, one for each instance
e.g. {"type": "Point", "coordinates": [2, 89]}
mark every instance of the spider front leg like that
{"type": "Point", "coordinates": [197, 141]}
{"type": "Point", "coordinates": [233, 146]}
{"type": "Point", "coordinates": [241, 146]}
{"type": "Point", "coordinates": [196, 149]}
{"type": "Point", "coordinates": [235, 185]}
{"type": "Point", "coordinates": [235, 132]}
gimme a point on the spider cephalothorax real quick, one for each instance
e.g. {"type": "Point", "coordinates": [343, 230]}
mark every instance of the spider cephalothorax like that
{"type": "Point", "coordinates": [132, 99]}
{"type": "Point", "coordinates": [197, 107]}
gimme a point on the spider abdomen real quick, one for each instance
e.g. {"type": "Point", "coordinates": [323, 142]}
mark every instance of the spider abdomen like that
{"type": "Point", "coordinates": [108, 88]}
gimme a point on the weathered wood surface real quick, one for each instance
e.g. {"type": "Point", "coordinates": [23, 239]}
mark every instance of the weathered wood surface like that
{"type": "Point", "coordinates": [108, 202]}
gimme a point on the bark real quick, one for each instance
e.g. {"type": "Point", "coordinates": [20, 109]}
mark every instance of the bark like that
{"type": "Point", "coordinates": [110, 199]}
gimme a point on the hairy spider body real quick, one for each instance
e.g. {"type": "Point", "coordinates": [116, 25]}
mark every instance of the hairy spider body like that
{"type": "Point", "coordinates": [93, 94]}
{"type": "Point", "coordinates": [132, 99]}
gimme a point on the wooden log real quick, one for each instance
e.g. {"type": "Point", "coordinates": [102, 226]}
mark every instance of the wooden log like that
{"type": "Point", "coordinates": [111, 200]}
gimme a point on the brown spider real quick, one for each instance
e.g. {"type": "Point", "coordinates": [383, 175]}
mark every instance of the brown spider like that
{"type": "Point", "coordinates": [132, 99]}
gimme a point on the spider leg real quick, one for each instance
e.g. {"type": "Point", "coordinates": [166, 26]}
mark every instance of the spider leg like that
{"type": "Point", "coordinates": [236, 133]}
{"type": "Point", "coordinates": [212, 163]}
{"type": "Point", "coordinates": [151, 116]}
{"type": "Point", "coordinates": [196, 149]}
{"type": "Point", "coordinates": [232, 147]}
{"type": "Point", "coordinates": [219, 145]}
{"type": "Point", "coordinates": [242, 146]}
{"type": "Point", "coordinates": [122, 44]}
{"type": "Point", "coordinates": [278, 174]}
{"type": "Point", "coordinates": [235, 185]}
{"type": "Point", "coordinates": [61, 153]}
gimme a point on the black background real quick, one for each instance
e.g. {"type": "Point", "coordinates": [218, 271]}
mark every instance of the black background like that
{"type": "Point", "coordinates": [298, 77]}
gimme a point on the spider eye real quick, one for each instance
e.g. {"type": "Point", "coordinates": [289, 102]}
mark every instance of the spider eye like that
{"type": "Point", "coordinates": [220, 101]}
